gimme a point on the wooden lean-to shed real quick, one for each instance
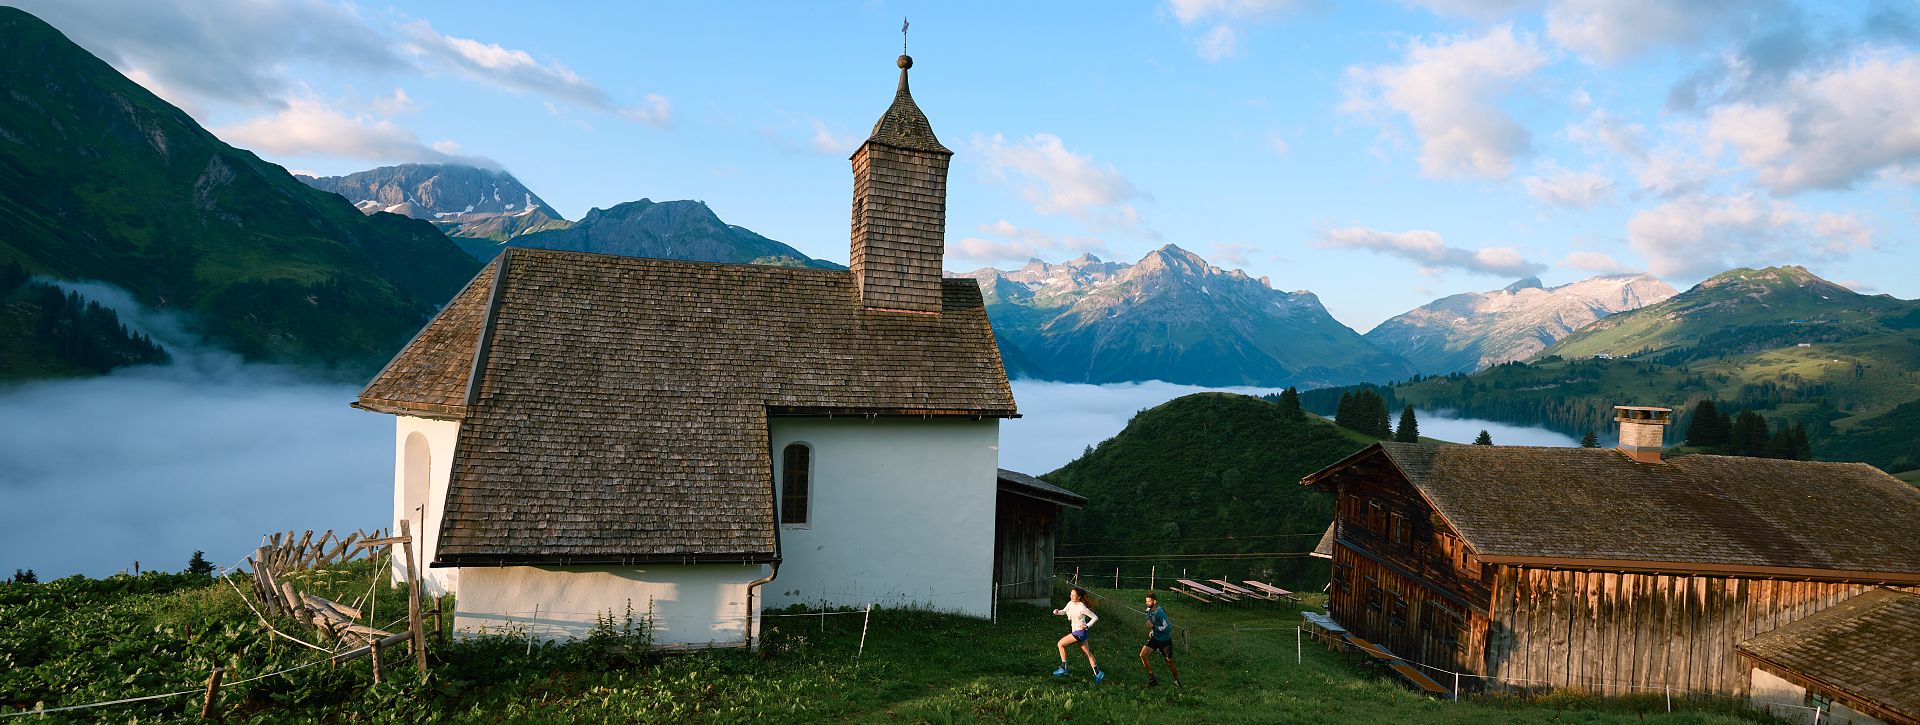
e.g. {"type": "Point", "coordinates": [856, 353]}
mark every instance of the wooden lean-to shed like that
{"type": "Point", "coordinates": [1026, 526]}
{"type": "Point", "coordinates": [1601, 569]}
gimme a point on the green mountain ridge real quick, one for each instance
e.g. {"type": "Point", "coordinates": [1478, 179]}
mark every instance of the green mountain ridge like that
{"type": "Point", "coordinates": [102, 180]}
{"type": "Point", "coordinates": [1208, 473]}
{"type": "Point", "coordinates": [1779, 341]}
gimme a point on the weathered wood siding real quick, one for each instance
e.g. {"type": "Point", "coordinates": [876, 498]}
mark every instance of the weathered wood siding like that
{"type": "Point", "coordinates": [1023, 538]}
{"type": "Point", "coordinates": [1402, 579]}
{"type": "Point", "coordinates": [1616, 633]}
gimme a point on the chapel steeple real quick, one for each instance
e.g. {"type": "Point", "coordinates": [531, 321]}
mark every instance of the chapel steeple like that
{"type": "Point", "coordinates": [900, 208]}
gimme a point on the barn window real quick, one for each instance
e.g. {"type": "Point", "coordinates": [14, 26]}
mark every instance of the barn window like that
{"type": "Point", "coordinates": [1399, 617]}
{"type": "Point", "coordinates": [1376, 517]}
{"type": "Point", "coordinates": [1342, 576]}
{"type": "Point", "coordinates": [796, 484]}
{"type": "Point", "coordinates": [1444, 625]}
{"type": "Point", "coordinates": [1399, 528]}
{"type": "Point", "coordinates": [1371, 594]}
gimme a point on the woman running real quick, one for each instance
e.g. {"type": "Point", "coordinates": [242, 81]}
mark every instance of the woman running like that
{"type": "Point", "coordinates": [1080, 616]}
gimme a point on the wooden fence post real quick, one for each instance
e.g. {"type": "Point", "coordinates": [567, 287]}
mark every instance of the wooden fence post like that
{"type": "Point", "coordinates": [1153, 573]}
{"type": "Point", "coordinates": [863, 631]}
{"type": "Point", "coordinates": [413, 599]}
{"type": "Point", "coordinates": [213, 691]}
{"type": "Point", "coordinates": [1116, 577]}
{"type": "Point", "coordinates": [375, 652]}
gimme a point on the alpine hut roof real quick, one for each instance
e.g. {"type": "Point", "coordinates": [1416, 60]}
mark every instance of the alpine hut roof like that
{"type": "Point", "coordinates": [1019, 483]}
{"type": "Point", "coordinates": [1597, 507]}
{"type": "Point", "coordinates": [1867, 647]}
{"type": "Point", "coordinates": [615, 409]}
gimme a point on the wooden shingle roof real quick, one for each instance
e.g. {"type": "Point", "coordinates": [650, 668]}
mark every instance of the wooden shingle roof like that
{"type": "Point", "coordinates": [1726, 514]}
{"type": "Point", "coordinates": [903, 126]}
{"type": "Point", "coordinates": [1866, 649]}
{"type": "Point", "coordinates": [622, 403]}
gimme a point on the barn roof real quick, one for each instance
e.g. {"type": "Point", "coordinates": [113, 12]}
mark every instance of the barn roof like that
{"type": "Point", "coordinates": [1866, 648]}
{"type": "Point", "coordinates": [615, 409]}
{"type": "Point", "coordinates": [1324, 549]}
{"type": "Point", "coordinates": [1025, 485]}
{"type": "Point", "coordinates": [1596, 507]}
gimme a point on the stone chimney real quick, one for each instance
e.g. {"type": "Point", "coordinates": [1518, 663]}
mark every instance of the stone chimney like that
{"type": "Point", "coordinates": [900, 209]}
{"type": "Point", "coordinates": [1642, 431]}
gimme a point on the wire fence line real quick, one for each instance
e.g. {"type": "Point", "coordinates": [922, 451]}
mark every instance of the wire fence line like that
{"type": "Point", "coordinates": [1584, 682]}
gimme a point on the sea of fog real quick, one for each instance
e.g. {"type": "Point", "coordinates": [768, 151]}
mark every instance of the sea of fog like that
{"type": "Point", "coordinates": [150, 464]}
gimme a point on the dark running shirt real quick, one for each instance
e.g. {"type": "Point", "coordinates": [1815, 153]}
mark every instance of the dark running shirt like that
{"type": "Point", "coordinates": [1162, 629]}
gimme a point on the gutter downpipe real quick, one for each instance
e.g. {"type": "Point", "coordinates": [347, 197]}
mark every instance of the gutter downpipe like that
{"type": "Point", "coordinates": [752, 615]}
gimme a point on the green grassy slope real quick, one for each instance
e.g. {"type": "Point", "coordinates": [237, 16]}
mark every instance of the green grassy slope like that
{"type": "Point", "coordinates": [79, 641]}
{"type": "Point", "coordinates": [1206, 474]}
{"type": "Point", "coordinates": [102, 180]}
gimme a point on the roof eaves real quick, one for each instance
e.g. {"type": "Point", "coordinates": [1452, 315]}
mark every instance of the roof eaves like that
{"type": "Point", "coordinates": [486, 328]}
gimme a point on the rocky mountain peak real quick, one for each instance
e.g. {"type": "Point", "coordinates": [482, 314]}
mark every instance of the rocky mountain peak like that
{"type": "Point", "coordinates": [1525, 283]}
{"type": "Point", "coordinates": [1473, 330]}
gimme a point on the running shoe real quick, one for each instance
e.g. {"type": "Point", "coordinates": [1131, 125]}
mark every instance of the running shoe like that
{"type": "Point", "coordinates": [1062, 672]}
{"type": "Point", "coordinates": [1098, 675]}
{"type": "Point", "coordinates": [1153, 681]}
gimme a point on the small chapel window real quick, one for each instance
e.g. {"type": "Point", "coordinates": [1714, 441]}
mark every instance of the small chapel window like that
{"type": "Point", "coordinates": [796, 468]}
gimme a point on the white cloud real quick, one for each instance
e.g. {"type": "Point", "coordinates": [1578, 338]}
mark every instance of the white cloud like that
{"type": "Point", "coordinates": [1431, 252]}
{"type": "Point", "coordinates": [395, 104]}
{"type": "Point", "coordinates": [1224, 20]}
{"type": "Point", "coordinates": [309, 127]}
{"type": "Point", "coordinates": [1476, 9]}
{"type": "Point", "coordinates": [1831, 127]}
{"type": "Point", "coordinates": [1448, 88]}
{"type": "Point", "coordinates": [825, 141]}
{"type": "Point", "coordinates": [1278, 143]}
{"type": "Point", "coordinates": [1700, 235]}
{"type": "Point", "coordinates": [1611, 31]}
{"type": "Point", "coordinates": [1603, 132]}
{"type": "Point", "coordinates": [192, 52]}
{"type": "Point", "coordinates": [517, 70]}
{"type": "Point", "coordinates": [1596, 262]}
{"type": "Point", "coordinates": [1567, 188]}
{"type": "Point", "coordinates": [1018, 244]}
{"type": "Point", "coordinates": [1234, 253]}
{"type": "Point", "coordinates": [1056, 180]}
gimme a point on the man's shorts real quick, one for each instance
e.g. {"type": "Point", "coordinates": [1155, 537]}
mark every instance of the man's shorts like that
{"type": "Point", "coordinates": [1165, 646]}
{"type": "Point", "coordinates": [1080, 635]}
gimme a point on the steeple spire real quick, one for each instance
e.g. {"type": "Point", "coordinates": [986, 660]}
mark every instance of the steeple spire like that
{"type": "Point", "coordinates": [900, 207]}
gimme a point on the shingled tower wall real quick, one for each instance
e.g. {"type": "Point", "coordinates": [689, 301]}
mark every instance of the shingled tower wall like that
{"type": "Point", "coordinates": [900, 209]}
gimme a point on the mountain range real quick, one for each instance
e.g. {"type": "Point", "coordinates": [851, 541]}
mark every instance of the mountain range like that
{"type": "Point", "coordinates": [1779, 341]}
{"type": "Point", "coordinates": [1474, 330]}
{"type": "Point", "coordinates": [668, 230]}
{"type": "Point", "coordinates": [1174, 317]}
{"type": "Point", "coordinates": [463, 201]}
{"type": "Point", "coordinates": [102, 180]}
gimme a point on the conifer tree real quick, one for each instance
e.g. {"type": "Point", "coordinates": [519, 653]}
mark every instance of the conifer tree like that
{"type": "Point", "coordinates": [1343, 413]}
{"type": "Point", "coordinates": [1485, 439]}
{"type": "Point", "coordinates": [1749, 435]}
{"type": "Point", "coordinates": [1707, 429]}
{"type": "Point", "coordinates": [199, 564]}
{"type": "Point", "coordinates": [1409, 430]}
{"type": "Point", "coordinates": [1290, 404]}
{"type": "Point", "coordinates": [25, 576]}
{"type": "Point", "coordinates": [1381, 425]}
{"type": "Point", "coordinates": [1590, 440]}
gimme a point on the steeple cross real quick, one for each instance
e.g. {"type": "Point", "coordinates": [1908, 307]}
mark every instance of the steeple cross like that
{"type": "Point", "coordinates": [903, 35]}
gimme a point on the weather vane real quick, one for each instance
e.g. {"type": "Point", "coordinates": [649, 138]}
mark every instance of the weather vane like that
{"type": "Point", "coordinates": [903, 35]}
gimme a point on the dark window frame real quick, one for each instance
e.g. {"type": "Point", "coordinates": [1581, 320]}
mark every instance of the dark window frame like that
{"type": "Point", "coordinates": [796, 471]}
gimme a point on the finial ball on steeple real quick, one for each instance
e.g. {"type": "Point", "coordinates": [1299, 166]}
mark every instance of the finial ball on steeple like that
{"type": "Point", "coordinates": [905, 62]}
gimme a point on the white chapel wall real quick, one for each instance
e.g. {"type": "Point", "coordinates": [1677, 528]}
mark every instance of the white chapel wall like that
{"type": "Point", "coordinates": [690, 605]}
{"type": "Point", "coordinates": [902, 513]}
{"type": "Point", "coordinates": [422, 465]}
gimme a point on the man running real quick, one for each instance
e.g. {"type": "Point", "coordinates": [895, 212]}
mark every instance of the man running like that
{"type": "Point", "coordinates": [1159, 637]}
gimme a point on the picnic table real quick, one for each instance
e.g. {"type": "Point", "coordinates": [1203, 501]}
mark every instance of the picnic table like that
{"type": "Point", "coordinates": [1191, 587]}
{"type": "Point", "coordinates": [1272, 591]}
{"type": "Point", "coordinates": [1231, 587]}
{"type": "Point", "coordinates": [1413, 674]}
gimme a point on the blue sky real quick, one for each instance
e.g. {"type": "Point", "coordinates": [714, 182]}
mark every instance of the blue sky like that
{"type": "Point", "coordinates": [1379, 154]}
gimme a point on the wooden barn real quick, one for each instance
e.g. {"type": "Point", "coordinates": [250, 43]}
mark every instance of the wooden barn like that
{"type": "Point", "coordinates": [1026, 525]}
{"type": "Point", "coordinates": [1606, 570]}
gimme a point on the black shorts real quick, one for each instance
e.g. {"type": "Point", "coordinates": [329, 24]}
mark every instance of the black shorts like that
{"type": "Point", "coordinates": [1164, 645]}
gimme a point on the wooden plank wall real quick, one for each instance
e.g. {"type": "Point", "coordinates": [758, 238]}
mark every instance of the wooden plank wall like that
{"type": "Point", "coordinates": [1412, 640]}
{"type": "Point", "coordinates": [1615, 633]}
{"type": "Point", "coordinates": [1023, 547]}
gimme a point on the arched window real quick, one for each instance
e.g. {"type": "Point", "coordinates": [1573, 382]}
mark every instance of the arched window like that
{"type": "Point", "coordinates": [796, 474]}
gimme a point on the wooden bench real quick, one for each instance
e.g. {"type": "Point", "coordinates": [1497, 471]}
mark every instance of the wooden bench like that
{"type": "Point", "coordinates": [1228, 586]}
{"type": "Point", "coordinates": [1413, 674]}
